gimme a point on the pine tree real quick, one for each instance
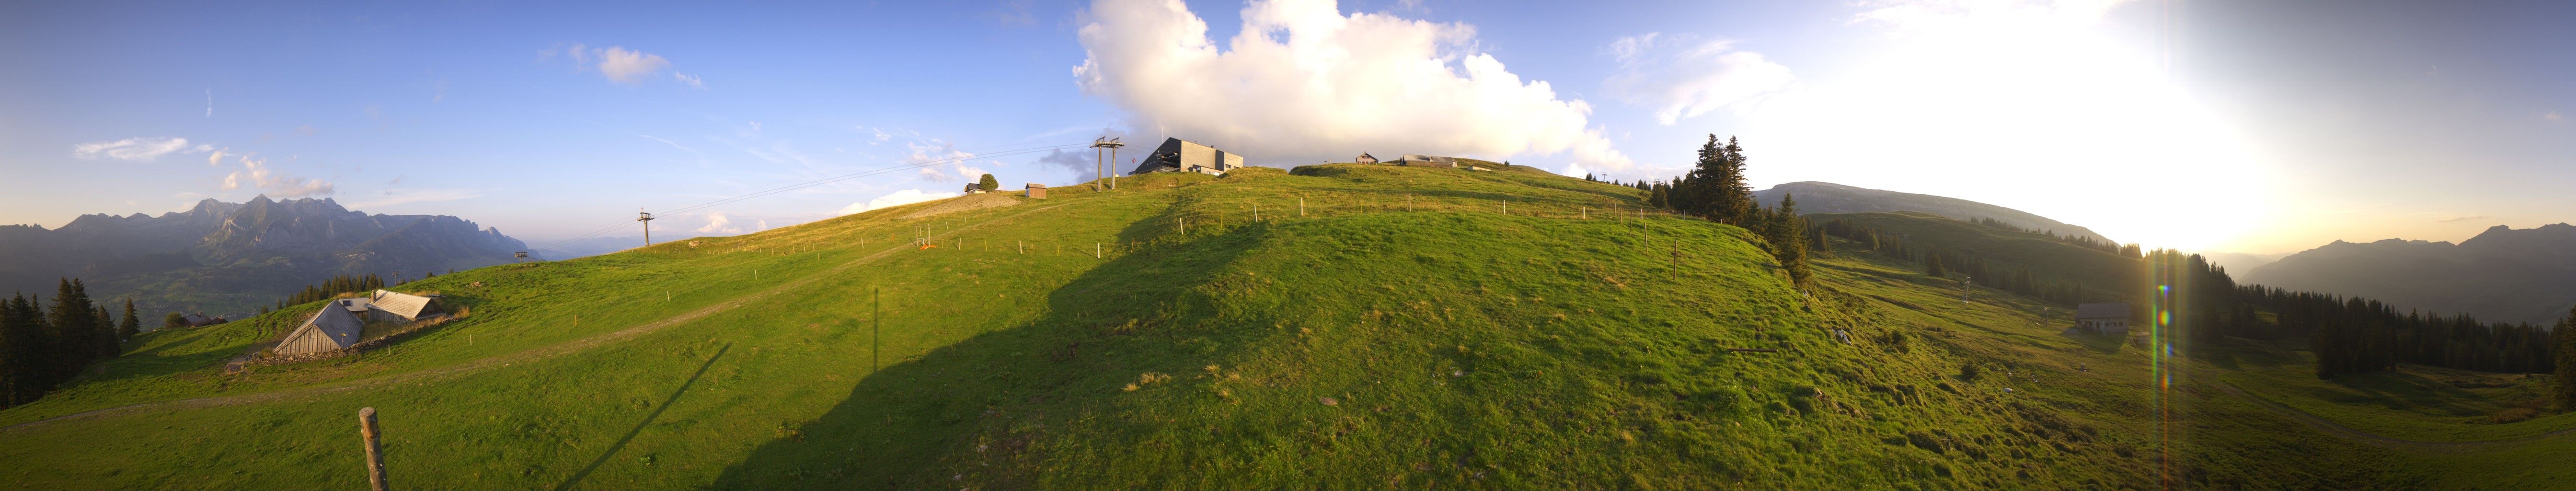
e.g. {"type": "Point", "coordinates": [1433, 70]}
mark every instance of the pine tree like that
{"type": "Point", "coordinates": [1932, 266]}
{"type": "Point", "coordinates": [1730, 200]}
{"type": "Point", "coordinates": [988, 183]}
{"type": "Point", "coordinates": [30, 348]}
{"type": "Point", "coordinates": [1658, 197]}
{"type": "Point", "coordinates": [2563, 350]}
{"type": "Point", "coordinates": [131, 326]}
{"type": "Point", "coordinates": [1792, 240]}
{"type": "Point", "coordinates": [14, 373]}
{"type": "Point", "coordinates": [102, 335]}
{"type": "Point", "coordinates": [71, 323]}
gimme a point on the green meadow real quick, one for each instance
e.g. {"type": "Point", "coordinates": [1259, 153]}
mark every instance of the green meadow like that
{"type": "Point", "coordinates": [1340, 326]}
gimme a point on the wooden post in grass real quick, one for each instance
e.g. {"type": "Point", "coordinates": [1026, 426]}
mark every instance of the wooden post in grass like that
{"type": "Point", "coordinates": [375, 448]}
{"type": "Point", "coordinates": [876, 326]}
{"type": "Point", "coordinates": [1301, 206]}
{"type": "Point", "coordinates": [1095, 250]}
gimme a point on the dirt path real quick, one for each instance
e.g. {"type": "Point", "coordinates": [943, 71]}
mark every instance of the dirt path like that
{"type": "Point", "coordinates": [2328, 426]}
{"type": "Point", "coordinates": [532, 355]}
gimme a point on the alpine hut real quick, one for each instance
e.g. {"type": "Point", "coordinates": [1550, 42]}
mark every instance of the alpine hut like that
{"type": "Point", "coordinates": [386, 306]}
{"type": "Point", "coordinates": [2105, 318]}
{"type": "Point", "coordinates": [334, 328]}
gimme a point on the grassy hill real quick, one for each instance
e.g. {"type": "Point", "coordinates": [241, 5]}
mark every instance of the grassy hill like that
{"type": "Point", "coordinates": [1340, 326]}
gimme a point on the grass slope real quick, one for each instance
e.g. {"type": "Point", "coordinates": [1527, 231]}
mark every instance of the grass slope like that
{"type": "Point", "coordinates": [1376, 326]}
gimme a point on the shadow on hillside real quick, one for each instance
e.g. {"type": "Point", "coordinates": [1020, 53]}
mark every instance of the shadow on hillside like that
{"type": "Point", "coordinates": [932, 421]}
{"type": "Point", "coordinates": [648, 420]}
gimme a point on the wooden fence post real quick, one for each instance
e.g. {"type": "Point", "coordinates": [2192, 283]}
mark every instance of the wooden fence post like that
{"type": "Point", "coordinates": [876, 326]}
{"type": "Point", "coordinates": [375, 448]}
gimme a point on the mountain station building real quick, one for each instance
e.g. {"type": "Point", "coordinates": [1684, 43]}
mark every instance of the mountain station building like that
{"type": "Point", "coordinates": [1177, 155]}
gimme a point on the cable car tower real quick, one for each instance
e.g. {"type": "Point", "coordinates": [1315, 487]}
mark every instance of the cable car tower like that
{"type": "Point", "coordinates": [647, 218]}
{"type": "Point", "coordinates": [1102, 165]}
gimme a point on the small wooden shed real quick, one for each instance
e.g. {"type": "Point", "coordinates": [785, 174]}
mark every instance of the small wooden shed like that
{"type": "Point", "coordinates": [1036, 191]}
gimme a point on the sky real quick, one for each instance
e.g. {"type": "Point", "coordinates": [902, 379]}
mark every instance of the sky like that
{"type": "Point", "coordinates": [2242, 126]}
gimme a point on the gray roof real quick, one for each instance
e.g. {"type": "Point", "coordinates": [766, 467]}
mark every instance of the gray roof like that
{"type": "Point", "coordinates": [334, 324]}
{"type": "Point", "coordinates": [402, 305]}
{"type": "Point", "coordinates": [2102, 311]}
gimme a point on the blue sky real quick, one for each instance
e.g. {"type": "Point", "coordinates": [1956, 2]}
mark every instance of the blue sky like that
{"type": "Point", "coordinates": [2237, 126]}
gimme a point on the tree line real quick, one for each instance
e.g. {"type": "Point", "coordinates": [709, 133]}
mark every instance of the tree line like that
{"type": "Point", "coordinates": [2124, 250]}
{"type": "Point", "coordinates": [2355, 335]}
{"type": "Point", "coordinates": [1715, 190]}
{"type": "Point", "coordinates": [43, 344]}
{"type": "Point", "coordinates": [333, 287]}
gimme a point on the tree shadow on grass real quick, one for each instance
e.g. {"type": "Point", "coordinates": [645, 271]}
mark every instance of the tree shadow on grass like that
{"type": "Point", "coordinates": [648, 420]}
{"type": "Point", "coordinates": [916, 423]}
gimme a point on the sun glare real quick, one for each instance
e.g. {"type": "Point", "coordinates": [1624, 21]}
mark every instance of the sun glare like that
{"type": "Point", "coordinates": [2034, 111]}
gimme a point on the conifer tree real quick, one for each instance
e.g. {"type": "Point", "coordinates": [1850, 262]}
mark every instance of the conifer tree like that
{"type": "Point", "coordinates": [1658, 197]}
{"type": "Point", "coordinates": [1791, 239]}
{"type": "Point", "coordinates": [14, 367]}
{"type": "Point", "coordinates": [102, 335]}
{"type": "Point", "coordinates": [1730, 200]}
{"type": "Point", "coordinates": [2563, 349]}
{"type": "Point", "coordinates": [1932, 266]}
{"type": "Point", "coordinates": [131, 326]}
{"type": "Point", "coordinates": [72, 323]}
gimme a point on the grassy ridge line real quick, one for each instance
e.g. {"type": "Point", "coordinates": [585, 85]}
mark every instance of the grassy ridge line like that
{"type": "Point", "coordinates": [504, 360]}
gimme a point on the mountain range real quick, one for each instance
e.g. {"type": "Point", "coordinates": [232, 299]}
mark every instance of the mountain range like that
{"type": "Point", "coordinates": [2502, 274]}
{"type": "Point", "coordinates": [230, 258]}
{"type": "Point", "coordinates": [1826, 197]}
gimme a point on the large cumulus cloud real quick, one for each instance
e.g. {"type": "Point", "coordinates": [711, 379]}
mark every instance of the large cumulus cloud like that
{"type": "Point", "coordinates": [1305, 83]}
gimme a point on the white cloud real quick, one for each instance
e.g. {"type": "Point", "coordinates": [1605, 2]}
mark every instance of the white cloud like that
{"type": "Point", "coordinates": [1683, 78]}
{"type": "Point", "coordinates": [718, 223]}
{"type": "Point", "coordinates": [897, 198]}
{"type": "Point", "coordinates": [401, 196]}
{"type": "Point", "coordinates": [1302, 82]}
{"type": "Point", "coordinates": [256, 173]}
{"type": "Point", "coordinates": [617, 63]}
{"type": "Point", "coordinates": [215, 159]}
{"type": "Point", "coordinates": [762, 223]}
{"type": "Point", "coordinates": [946, 163]}
{"type": "Point", "coordinates": [141, 149]}
{"type": "Point", "coordinates": [628, 66]}
{"type": "Point", "coordinates": [2554, 117]}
